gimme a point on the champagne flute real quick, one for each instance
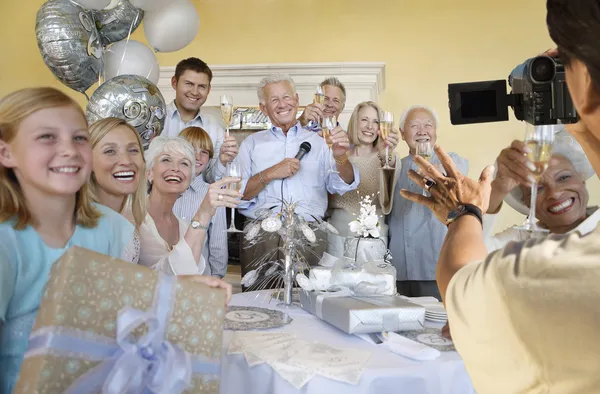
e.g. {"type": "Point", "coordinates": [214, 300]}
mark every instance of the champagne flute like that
{"type": "Point", "coordinates": [319, 99]}
{"type": "Point", "coordinates": [425, 150]}
{"type": "Point", "coordinates": [226, 111]}
{"type": "Point", "coordinates": [385, 128]}
{"type": "Point", "coordinates": [234, 170]}
{"type": "Point", "coordinates": [329, 123]}
{"type": "Point", "coordinates": [539, 140]}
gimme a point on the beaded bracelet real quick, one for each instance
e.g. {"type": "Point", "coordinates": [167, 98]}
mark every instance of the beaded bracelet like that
{"type": "Point", "coordinates": [341, 161]}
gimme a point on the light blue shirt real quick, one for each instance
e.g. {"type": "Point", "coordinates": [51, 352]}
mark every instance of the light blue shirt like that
{"type": "Point", "coordinates": [309, 186]}
{"type": "Point", "coordinates": [415, 234]}
{"type": "Point", "coordinates": [25, 263]}
{"type": "Point", "coordinates": [174, 125]}
{"type": "Point", "coordinates": [215, 244]}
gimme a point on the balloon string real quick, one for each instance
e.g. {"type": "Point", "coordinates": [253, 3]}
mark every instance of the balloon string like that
{"type": "Point", "coordinates": [152, 69]}
{"type": "Point", "coordinates": [127, 42]}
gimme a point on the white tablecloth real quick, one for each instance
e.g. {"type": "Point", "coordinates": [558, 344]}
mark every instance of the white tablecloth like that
{"type": "Point", "coordinates": [386, 373]}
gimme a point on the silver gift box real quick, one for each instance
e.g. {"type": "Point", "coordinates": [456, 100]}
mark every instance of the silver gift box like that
{"type": "Point", "coordinates": [363, 315]}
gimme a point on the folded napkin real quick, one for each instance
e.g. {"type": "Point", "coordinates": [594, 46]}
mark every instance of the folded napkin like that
{"type": "Point", "coordinates": [403, 346]}
{"type": "Point", "coordinates": [409, 348]}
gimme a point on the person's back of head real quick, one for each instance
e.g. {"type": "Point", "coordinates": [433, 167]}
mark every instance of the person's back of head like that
{"type": "Point", "coordinates": [574, 25]}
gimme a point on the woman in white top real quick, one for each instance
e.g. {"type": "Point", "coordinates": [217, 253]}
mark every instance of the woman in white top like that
{"type": "Point", "coordinates": [119, 181]}
{"type": "Point", "coordinates": [168, 243]}
{"type": "Point", "coordinates": [562, 200]}
{"type": "Point", "coordinates": [368, 155]}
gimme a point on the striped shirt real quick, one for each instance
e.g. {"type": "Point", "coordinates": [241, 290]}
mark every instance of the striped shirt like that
{"type": "Point", "coordinates": [174, 125]}
{"type": "Point", "coordinates": [215, 245]}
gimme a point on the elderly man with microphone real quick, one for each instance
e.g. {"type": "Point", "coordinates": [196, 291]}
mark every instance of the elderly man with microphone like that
{"type": "Point", "coordinates": [290, 163]}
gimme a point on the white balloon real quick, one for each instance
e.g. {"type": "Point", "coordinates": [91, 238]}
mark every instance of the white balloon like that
{"type": "Point", "coordinates": [92, 4]}
{"type": "Point", "coordinates": [130, 58]}
{"type": "Point", "coordinates": [173, 27]}
{"type": "Point", "coordinates": [112, 4]}
{"type": "Point", "coordinates": [150, 5]}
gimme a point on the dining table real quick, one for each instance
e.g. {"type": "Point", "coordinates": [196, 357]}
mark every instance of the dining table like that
{"type": "Point", "coordinates": [385, 372]}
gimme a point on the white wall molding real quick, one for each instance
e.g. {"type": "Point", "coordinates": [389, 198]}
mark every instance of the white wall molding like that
{"type": "Point", "coordinates": [363, 81]}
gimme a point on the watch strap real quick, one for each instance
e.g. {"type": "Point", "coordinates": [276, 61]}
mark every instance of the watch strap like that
{"type": "Point", "coordinates": [465, 209]}
{"type": "Point", "coordinates": [196, 225]}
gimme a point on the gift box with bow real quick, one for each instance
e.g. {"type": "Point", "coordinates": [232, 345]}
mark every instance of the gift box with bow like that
{"type": "Point", "coordinates": [354, 313]}
{"type": "Point", "coordinates": [107, 326]}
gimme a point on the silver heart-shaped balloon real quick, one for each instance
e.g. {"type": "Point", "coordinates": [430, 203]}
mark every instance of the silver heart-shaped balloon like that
{"type": "Point", "coordinates": [69, 43]}
{"type": "Point", "coordinates": [134, 99]}
{"type": "Point", "coordinates": [114, 24]}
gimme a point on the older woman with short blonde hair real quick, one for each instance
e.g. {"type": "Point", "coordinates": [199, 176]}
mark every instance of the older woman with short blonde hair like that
{"type": "Point", "coordinates": [168, 243]}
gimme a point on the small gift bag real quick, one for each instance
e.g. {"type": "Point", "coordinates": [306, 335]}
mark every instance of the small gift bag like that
{"type": "Point", "coordinates": [109, 326]}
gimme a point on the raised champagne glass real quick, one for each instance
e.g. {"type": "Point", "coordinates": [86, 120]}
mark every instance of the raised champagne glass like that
{"type": "Point", "coordinates": [234, 170]}
{"type": "Point", "coordinates": [386, 125]}
{"type": "Point", "coordinates": [226, 111]}
{"type": "Point", "coordinates": [425, 150]}
{"type": "Point", "coordinates": [329, 123]}
{"type": "Point", "coordinates": [539, 140]}
{"type": "Point", "coordinates": [319, 98]}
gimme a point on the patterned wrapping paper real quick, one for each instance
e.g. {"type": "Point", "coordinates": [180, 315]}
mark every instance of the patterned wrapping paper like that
{"type": "Point", "coordinates": [83, 297]}
{"type": "Point", "coordinates": [363, 315]}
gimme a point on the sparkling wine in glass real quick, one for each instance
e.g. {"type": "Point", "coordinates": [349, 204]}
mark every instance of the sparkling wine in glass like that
{"type": "Point", "coordinates": [234, 170]}
{"type": "Point", "coordinates": [425, 150]}
{"type": "Point", "coordinates": [386, 125]}
{"type": "Point", "coordinates": [319, 98]}
{"type": "Point", "coordinates": [329, 123]}
{"type": "Point", "coordinates": [226, 111]}
{"type": "Point", "coordinates": [539, 140]}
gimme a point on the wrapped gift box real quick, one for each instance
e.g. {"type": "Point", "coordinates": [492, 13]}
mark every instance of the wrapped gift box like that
{"type": "Point", "coordinates": [103, 321]}
{"type": "Point", "coordinates": [363, 315]}
{"type": "Point", "coordinates": [380, 277]}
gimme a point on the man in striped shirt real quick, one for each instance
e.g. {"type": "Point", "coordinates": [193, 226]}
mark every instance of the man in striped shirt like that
{"type": "Point", "coordinates": [215, 247]}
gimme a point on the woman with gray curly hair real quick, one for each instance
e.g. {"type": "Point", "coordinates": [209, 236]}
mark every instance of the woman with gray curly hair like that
{"type": "Point", "coordinates": [169, 244]}
{"type": "Point", "coordinates": [562, 196]}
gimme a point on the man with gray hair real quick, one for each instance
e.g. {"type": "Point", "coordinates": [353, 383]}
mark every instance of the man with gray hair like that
{"type": "Point", "coordinates": [334, 101]}
{"type": "Point", "coordinates": [415, 234]}
{"type": "Point", "coordinates": [271, 172]}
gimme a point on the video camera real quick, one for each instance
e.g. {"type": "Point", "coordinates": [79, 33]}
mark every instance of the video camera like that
{"type": "Point", "coordinates": [539, 96]}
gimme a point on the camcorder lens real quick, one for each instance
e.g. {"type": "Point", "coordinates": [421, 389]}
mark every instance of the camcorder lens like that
{"type": "Point", "coordinates": [542, 69]}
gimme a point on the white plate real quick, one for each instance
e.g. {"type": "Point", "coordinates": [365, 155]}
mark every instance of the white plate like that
{"type": "Point", "coordinates": [435, 308]}
{"type": "Point", "coordinates": [434, 316]}
{"type": "Point", "coordinates": [436, 320]}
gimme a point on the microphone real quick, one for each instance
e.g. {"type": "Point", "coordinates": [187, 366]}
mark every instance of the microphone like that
{"type": "Point", "coordinates": [304, 149]}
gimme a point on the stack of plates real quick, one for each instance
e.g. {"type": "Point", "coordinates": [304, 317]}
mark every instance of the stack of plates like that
{"type": "Point", "coordinates": [435, 313]}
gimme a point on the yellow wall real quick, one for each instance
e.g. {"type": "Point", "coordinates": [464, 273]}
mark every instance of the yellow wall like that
{"type": "Point", "coordinates": [425, 44]}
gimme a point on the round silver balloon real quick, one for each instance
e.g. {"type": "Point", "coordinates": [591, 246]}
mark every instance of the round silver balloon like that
{"type": "Point", "coordinates": [114, 24]}
{"type": "Point", "coordinates": [132, 98]}
{"type": "Point", "coordinates": [69, 43]}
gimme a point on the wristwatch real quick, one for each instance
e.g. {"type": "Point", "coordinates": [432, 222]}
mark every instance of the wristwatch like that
{"type": "Point", "coordinates": [464, 209]}
{"type": "Point", "coordinates": [197, 225]}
